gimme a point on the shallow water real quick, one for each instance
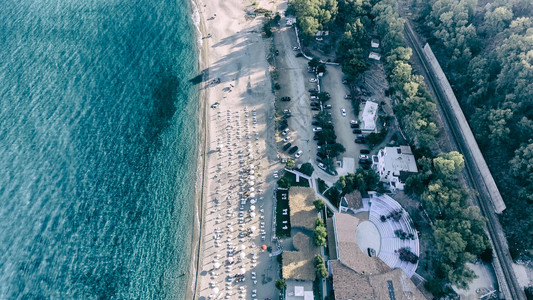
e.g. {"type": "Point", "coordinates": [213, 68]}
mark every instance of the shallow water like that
{"type": "Point", "coordinates": [98, 129]}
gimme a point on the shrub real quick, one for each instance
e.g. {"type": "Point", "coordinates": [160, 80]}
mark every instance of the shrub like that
{"type": "Point", "coordinates": [407, 255]}
{"type": "Point", "coordinates": [319, 204]}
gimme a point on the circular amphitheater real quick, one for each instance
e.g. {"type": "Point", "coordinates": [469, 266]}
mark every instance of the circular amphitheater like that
{"type": "Point", "coordinates": [380, 235]}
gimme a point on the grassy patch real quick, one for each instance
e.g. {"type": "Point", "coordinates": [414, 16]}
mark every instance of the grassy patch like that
{"type": "Point", "coordinates": [289, 179]}
{"type": "Point", "coordinates": [322, 186]}
{"type": "Point", "coordinates": [282, 204]}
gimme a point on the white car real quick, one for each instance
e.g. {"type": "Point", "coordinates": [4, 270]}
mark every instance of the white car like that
{"type": "Point", "coordinates": [313, 80]}
{"type": "Point", "coordinates": [287, 139]}
{"type": "Point", "coordinates": [321, 166]}
{"type": "Point", "coordinates": [276, 175]}
{"type": "Point", "coordinates": [363, 156]}
{"type": "Point", "coordinates": [343, 112]}
{"type": "Point", "coordinates": [298, 154]}
{"type": "Point", "coordinates": [317, 129]}
{"type": "Point", "coordinates": [295, 48]}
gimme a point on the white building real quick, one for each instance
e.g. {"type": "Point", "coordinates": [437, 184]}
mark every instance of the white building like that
{"type": "Point", "coordinates": [374, 56]}
{"type": "Point", "coordinates": [394, 165]}
{"type": "Point", "coordinates": [370, 113]}
{"type": "Point", "coordinates": [374, 43]}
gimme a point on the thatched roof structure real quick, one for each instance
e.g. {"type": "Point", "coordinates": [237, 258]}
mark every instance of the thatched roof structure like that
{"type": "Point", "coordinates": [299, 264]}
{"type": "Point", "coordinates": [303, 212]}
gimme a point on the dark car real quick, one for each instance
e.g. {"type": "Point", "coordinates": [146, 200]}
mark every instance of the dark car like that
{"type": "Point", "coordinates": [365, 162]}
{"type": "Point", "coordinates": [318, 159]}
{"type": "Point", "coordinates": [315, 93]}
{"type": "Point", "coordinates": [360, 141]}
{"type": "Point", "coordinates": [285, 98]}
{"type": "Point", "coordinates": [321, 155]}
{"type": "Point", "coordinates": [299, 54]}
{"type": "Point", "coordinates": [354, 125]}
{"type": "Point", "coordinates": [316, 138]}
{"type": "Point", "coordinates": [293, 149]}
{"type": "Point", "coordinates": [357, 131]}
{"type": "Point", "coordinates": [315, 108]}
{"type": "Point", "coordinates": [360, 136]}
{"type": "Point", "coordinates": [286, 146]}
{"type": "Point", "coordinates": [364, 151]}
{"type": "Point", "coordinates": [283, 127]}
{"type": "Point", "coordinates": [313, 90]}
{"type": "Point", "coordinates": [315, 123]}
{"type": "Point", "coordinates": [315, 104]}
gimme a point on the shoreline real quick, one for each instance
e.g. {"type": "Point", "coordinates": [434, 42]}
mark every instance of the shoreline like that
{"type": "Point", "coordinates": [201, 181]}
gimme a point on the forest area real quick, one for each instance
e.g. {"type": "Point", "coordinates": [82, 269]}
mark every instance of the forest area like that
{"type": "Point", "coordinates": [486, 50]}
{"type": "Point", "coordinates": [458, 228]}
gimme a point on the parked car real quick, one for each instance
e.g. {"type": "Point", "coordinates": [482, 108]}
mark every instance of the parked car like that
{"type": "Point", "coordinates": [275, 176]}
{"type": "Point", "coordinates": [318, 159]}
{"type": "Point", "coordinates": [315, 104]}
{"type": "Point", "coordinates": [321, 155]}
{"type": "Point", "coordinates": [360, 141]}
{"type": "Point", "coordinates": [315, 123]}
{"type": "Point", "coordinates": [298, 154]}
{"type": "Point", "coordinates": [286, 146]}
{"type": "Point", "coordinates": [287, 139]}
{"type": "Point", "coordinates": [328, 106]}
{"type": "Point", "coordinates": [347, 96]}
{"type": "Point", "coordinates": [313, 90]}
{"type": "Point", "coordinates": [293, 149]}
{"type": "Point", "coordinates": [299, 54]}
{"type": "Point", "coordinates": [285, 98]}
{"type": "Point", "coordinates": [343, 112]}
{"type": "Point", "coordinates": [285, 131]}
{"type": "Point", "coordinates": [354, 125]}
{"type": "Point", "coordinates": [321, 166]}
{"type": "Point", "coordinates": [295, 48]}
{"type": "Point", "coordinates": [317, 129]}
{"type": "Point", "coordinates": [315, 108]}
{"type": "Point", "coordinates": [365, 161]}
{"type": "Point", "coordinates": [363, 156]}
{"type": "Point", "coordinates": [316, 138]}
{"type": "Point", "coordinates": [357, 130]}
{"type": "Point", "coordinates": [364, 151]}
{"type": "Point", "coordinates": [353, 122]}
{"type": "Point", "coordinates": [313, 80]}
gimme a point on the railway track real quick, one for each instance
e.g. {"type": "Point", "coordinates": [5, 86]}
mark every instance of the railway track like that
{"type": "Point", "coordinates": [509, 286]}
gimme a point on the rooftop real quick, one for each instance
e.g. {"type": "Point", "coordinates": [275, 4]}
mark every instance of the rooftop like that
{"type": "Point", "coordinates": [390, 285]}
{"type": "Point", "coordinates": [396, 159]}
{"type": "Point", "coordinates": [299, 264]}
{"type": "Point", "coordinates": [353, 200]}
{"type": "Point", "coordinates": [349, 252]}
{"type": "Point", "coordinates": [302, 209]}
{"type": "Point", "coordinates": [369, 116]}
{"type": "Point", "coordinates": [299, 290]}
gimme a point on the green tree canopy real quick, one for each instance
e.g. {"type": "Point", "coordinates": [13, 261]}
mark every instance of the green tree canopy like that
{"type": "Point", "coordinates": [449, 164]}
{"type": "Point", "coordinates": [281, 284]}
{"type": "Point", "coordinates": [319, 204]}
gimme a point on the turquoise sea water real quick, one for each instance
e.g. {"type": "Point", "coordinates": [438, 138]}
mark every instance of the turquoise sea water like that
{"type": "Point", "coordinates": [98, 147]}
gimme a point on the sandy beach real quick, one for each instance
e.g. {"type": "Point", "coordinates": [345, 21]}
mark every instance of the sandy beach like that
{"type": "Point", "coordinates": [237, 157]}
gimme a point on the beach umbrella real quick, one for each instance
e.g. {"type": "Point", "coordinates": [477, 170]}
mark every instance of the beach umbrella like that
{"type": "Point", "coordinates": [252, 195]}
{"type": "Point", "coordinates": [252, 171]}
{"type": "Point", "coordinates": [251, 183]}
{"type": "Point", "coordinates": [264, 247]}
{"type": "Point", "coordinates": [252, 177]}
{"type": "Point", "coordinates": [230, 259]}
{"type": "Point", "coordinates": [253, 228]}
{"type": "Point", "coordinates": [215, 290]}
{"type": "Point", "coordinates": [252, 201]}
{"type": "Point", "coordinates": [243, 270]}
{"type": "Point", "coordinates": [252, 215]}
{"type": "Point", "coordinates": [252, 208]}
{"type": "Point", "coordinates": [252, 189]}
{"type": "Point", "coordinates": [242, 255]}
{"type": "Point", "coordinates": [243, 247]}
{"type": "Point", "coordinates": [216, 265]}
{"type": "Point", "coordinates": [252, 166]}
